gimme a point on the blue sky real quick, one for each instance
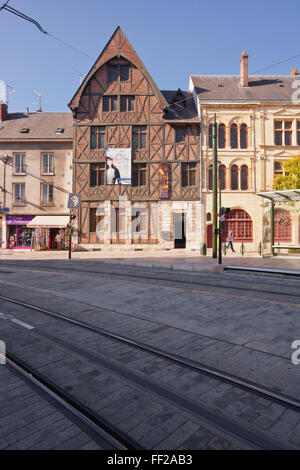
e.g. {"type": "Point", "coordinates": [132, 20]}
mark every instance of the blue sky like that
{"type": "Point", "coordinates": [173, 38]}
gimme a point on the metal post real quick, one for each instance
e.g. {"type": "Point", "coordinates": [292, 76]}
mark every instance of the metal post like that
{"type": "Point", "coordinates": [70, 235]}
{"type": "Point", "coordinates": [220, 221]}
{"type": "Point", "coordinates": [272, 235]}
{"type": "Point", "coordinates": [215, 190]}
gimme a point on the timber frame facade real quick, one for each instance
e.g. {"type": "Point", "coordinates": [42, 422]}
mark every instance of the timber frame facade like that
{"type": "Point", "coordinates": [119, 97]}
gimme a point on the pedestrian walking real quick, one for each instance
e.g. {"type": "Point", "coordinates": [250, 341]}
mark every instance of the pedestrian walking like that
{"type": "Point", "coordinates": [229, 241]}
{"type": "Point", "coordinates": [58, 241]}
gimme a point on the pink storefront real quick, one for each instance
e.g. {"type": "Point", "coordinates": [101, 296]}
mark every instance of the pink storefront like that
{"type": "Point", "coordinates": [19, 236]}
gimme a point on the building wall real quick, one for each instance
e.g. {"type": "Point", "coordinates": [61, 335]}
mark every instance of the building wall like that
{"type": "Point", "coordinates": [33, 178]}
{"type": "Point", "coordinates": [259, 156]}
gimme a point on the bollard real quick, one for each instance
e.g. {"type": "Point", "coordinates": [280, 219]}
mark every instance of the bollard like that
{"type": "Point", "coordinates": [242, 249]}
{"type": "Point", "coordinates": [203, 249]}
{"type": "Point", "coordinates": [260, 249]}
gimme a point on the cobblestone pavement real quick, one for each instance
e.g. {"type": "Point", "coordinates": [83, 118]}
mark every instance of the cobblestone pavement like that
{"type": "Point", "coordinates": [244, 333]}
{"type": "Point", "coordinates": [30, 421]}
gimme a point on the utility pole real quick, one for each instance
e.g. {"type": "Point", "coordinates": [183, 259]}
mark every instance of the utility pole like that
{"type": "Point", "coordinates": [215, 189]}
{"type": "Point", "coordinates": [220, 220]}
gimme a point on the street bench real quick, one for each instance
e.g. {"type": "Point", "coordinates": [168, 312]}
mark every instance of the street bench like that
{"type": "Point", "coordinates": [286, 247]}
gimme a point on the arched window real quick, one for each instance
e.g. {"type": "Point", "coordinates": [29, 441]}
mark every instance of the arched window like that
{"type": "Point", "coordinates": [222, 177]}
{"type": "Point", "coordinates": [208, 216]}
{"type": "Point", "coordinates": [282, 226]}
{"type": "Point", "coordinates": [234, 178]}
{"type": "Point", "coordinates": [210, 130]}
{"type": "Point", "coordinates": [221, 136]}
{"type": "Point", "coordinates": [240, 223]}
{"type": "Point", "coordinates": [244, 136]}
{"type": "Point", "coordinates": [210, 177]}
{"type": "Point", "coordinates": [234, 136]}
{"type": "Point", "coordinates": [244, 177]}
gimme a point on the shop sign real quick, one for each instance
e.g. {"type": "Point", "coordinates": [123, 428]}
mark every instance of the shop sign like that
{"type": "Point", "coordinates": [18, 219]}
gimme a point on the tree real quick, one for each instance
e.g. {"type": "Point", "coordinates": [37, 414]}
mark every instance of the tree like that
{"type": "Point", "coordinates": [291, 177]}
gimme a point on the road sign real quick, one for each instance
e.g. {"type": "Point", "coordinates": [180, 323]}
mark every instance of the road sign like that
{"type": "Point", "coordinates": [74, 201]}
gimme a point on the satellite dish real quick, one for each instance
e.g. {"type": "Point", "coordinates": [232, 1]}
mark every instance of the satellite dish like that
{"type": "Point", "coordinates": [3, 92]}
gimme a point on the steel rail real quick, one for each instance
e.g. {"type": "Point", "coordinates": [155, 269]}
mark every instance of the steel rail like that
{"type": "Point", "coordinates": [181, 281]}
{"type": "Point", "coordinates": [107, 432]}
{"type": "Point", "coordinates": [252, 437]}
{"type": "Point", "coordinates": [196, 366]}
{"type": "Point", "coordinates": [282, 272]}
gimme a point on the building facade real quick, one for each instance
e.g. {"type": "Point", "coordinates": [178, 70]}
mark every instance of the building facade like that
{"type": "Point", "coordinates": [36, 178]}
{"type": "Point", "coordinates": [258, 119]}
{"type": "Point", "coordinates": [118, 106]}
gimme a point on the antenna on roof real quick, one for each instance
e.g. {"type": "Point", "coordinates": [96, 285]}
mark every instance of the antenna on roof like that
{"type": "Point", "coordinates": [40, 101]}
{"type": "Point", "coordinates": [81, 75]}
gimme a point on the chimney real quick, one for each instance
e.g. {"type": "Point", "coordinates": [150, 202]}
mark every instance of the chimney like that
{"type": "Point", "coordinates": [3, 110]}
{"type": "Point", "coordinates": [244, 69]}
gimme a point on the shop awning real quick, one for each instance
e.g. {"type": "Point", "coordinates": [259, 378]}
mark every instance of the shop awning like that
{"type": "Point", "coordinates": [49, 221]}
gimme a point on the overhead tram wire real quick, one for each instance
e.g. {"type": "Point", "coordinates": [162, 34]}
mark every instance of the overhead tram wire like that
{"type": "Point", "coordinates": [31, 20]}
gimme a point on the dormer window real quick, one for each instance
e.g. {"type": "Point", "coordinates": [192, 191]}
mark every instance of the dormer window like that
{"type": "Point", "coordinates": [24, 130]}
{"type": "Point", "coordinates": [59, 130]}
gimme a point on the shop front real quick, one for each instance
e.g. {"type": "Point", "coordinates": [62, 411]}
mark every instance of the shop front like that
{"type": "Point", "coordinates": [19, 234]}
{"type": "Point", "coordinates": [49, 232]}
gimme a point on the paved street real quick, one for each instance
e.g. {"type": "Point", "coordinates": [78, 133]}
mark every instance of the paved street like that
{"type": "Point", "coordinates": [241, 324]}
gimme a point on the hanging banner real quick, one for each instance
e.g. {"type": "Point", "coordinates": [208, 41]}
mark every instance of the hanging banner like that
{"type": "Point", "coordinates": [118, 166]}
{"type": "Point", "coordinates": [163, 174]}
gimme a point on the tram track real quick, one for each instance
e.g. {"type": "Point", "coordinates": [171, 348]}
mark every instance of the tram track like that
{"type": "Point", "coordinates": [247, 435]}
{"type": "Point", "coordinates": [228, 284]}
{"type": "Point", "coordinates": [106, 432]}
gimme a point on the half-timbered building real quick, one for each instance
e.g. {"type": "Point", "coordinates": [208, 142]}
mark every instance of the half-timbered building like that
{"type": "Point", "coordinates": [119, 106]}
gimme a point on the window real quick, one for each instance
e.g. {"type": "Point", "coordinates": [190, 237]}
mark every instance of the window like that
{"type": "Point", "coordinates": [283, 132]}
{"type": "Point", "coordinates": [240, 223]}
{"type": "Point", "coordinates": [124, 73]}
{"type": "Point", "coordinates": [98, 137]}
{"type": "Point", "coordinates": [282, 226]}
{"type": "Point", "coordinates": [180, 134]}
{"type": "Point", "coordinates": [221, 136]}
{"type": "Point", "coordinates": [210, 177]}
{"type": "Point", "coordinates": [244, 177]}
{"type": "Point", "coordinates": [47, 194]}
{"type": "Point", "coordinates": [118, 70]}
{"type": "Point", "coordinates": [234, 136]}
{"type": "Point", "coordinates": [19, 163]}
{"type": "Point", "coordinates": [222, 177]}
{"type": "Point", "coordinates": [127, 103]}
{"type": "Point", "coordinates": [112, 73]}
{"type": "Point", "coordinates": [139, 134]}
{"type": "Point", "coordinates": [97, 174]}
{"type": "Point", "coordinates": [19, 193]}
{"type": "Point", "coordinates": [96, 220]}
{"type": "Point", "coordinates": [139, 174]}
{"type": "Point", "coordinates": [234, 178]}
{"type": "Point", "coordinates": [298, 132]}
{"type": "Point", "coordinates": [109, 103]}
{"type": "Point", "coordinates": [48, 164]}
{"type": "Point", "coordinates": [244, 136]}
{"type": "Point", "coordinates": [210, 132]}
{"type": "Point", "coordinates": [278, 170]}
{"type": "Point", "coordinates": [188, 174]}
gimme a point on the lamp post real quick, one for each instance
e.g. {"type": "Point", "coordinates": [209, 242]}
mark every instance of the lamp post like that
{"type": "Point", "coordinates": [215, 189]}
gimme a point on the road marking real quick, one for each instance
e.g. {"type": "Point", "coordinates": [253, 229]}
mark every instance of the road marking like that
{"type": "Point", "coordinates": [3, 316]}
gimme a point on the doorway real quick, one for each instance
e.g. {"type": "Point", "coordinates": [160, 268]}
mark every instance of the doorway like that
{"type": "Point", "coordinates": [179, 230]}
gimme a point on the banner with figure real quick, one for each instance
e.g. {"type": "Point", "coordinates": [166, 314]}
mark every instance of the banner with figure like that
{"type": "Point", "coordinates": [118, 166]}
{"type": "Point", "coordinates": [163, 174]}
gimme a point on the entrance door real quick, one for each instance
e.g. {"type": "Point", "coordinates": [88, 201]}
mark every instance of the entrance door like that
{"type": "Point", "coordinates": [179, 230]}
{"type": "Point", "coordinates": [209, 235]}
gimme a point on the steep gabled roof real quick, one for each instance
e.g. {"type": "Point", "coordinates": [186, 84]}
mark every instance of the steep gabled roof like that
{"type": "Point", "coordinates": [117, 46]}
{"type": "Point", "coordinates": [228, 88]}
{"type": "Point", "coordinates": [181, 106]}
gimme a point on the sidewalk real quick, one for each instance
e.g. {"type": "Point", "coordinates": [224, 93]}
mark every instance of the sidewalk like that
{"type": "Point", "coordinates": [173, 259]}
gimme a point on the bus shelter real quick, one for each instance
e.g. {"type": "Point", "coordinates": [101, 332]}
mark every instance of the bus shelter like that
{"type": "Point", "coordinates": [275, 197]}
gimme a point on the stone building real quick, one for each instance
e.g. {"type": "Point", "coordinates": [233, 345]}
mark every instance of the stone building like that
{"type": "Point", "coordinates": [258, 120]}
{"type": "Point", "coordinates": [35, 177]}
{"type": "Point", "coordinates": [156, 205]}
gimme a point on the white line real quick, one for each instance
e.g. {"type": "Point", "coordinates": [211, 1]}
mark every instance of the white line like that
{"type": "Point", "coordinates": [19, 322]}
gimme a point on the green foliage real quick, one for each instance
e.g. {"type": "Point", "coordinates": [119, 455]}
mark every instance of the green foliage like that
{"type": "Point", "coordinates": [291, 178]}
